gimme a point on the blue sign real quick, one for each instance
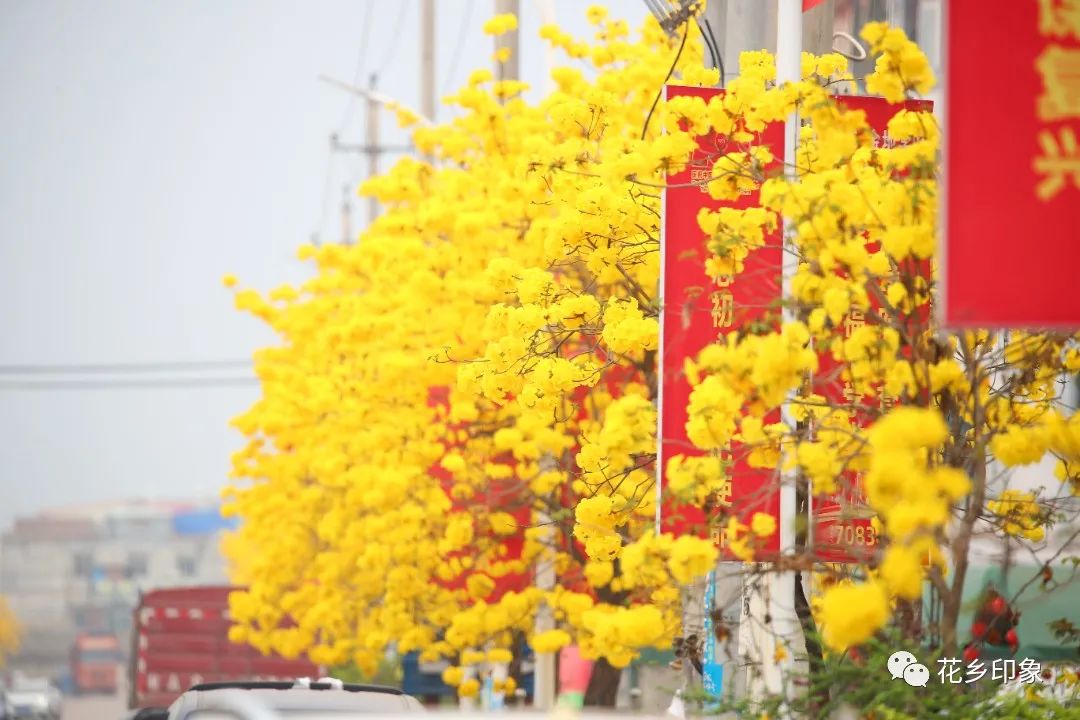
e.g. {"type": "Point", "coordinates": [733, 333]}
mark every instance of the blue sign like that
{"type": "Point", "coordinates": [712, 672]}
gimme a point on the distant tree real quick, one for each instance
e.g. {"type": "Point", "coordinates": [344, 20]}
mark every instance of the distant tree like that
{"type": "Point", "coordinates": [10, 632]}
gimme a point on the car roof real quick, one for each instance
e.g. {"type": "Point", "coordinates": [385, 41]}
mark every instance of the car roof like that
{"type": "Point", "coordinates": [319, 696]}
{"type": "Point", "coordinates": [292, 685]}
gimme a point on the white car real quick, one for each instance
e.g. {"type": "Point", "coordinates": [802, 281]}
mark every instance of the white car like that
{"type": "Point", "coordinates": [301, 700]}
{"type": "Point", "coordinates": [32, 705]}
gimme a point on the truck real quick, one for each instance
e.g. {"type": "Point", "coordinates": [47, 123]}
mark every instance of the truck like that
{"type": "Point", "coordinates": [180, 638]}
{"type": "Point", "coordinates": [95, 664]}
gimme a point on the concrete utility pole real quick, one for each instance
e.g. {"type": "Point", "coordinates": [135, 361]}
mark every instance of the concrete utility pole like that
{"type": "Point", "coordinates": [739, 26]}
{"type": "Point", "coordinates": [818, 28]}
{"type": "Point", "coordinates": [510, 69]}
{"type": "Point", "coordinates": [786, 627]}
{"type": "Point", "coordinates": [427, 59]}
{"type": "Point", "coordinates": [781, 27]}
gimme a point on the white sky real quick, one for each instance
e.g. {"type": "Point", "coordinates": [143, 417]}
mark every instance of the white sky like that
{"type": "Point", "coordinates": [147, 149]}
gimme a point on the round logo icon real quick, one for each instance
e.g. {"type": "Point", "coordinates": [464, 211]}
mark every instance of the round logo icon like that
{"type": "Point", "coordinates": [916, 675]}
{"type": "Point", "coordinates": [898, 662]}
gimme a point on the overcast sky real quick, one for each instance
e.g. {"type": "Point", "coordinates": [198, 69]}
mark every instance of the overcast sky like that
{"type": "Point", "coordinates": [147, 149]}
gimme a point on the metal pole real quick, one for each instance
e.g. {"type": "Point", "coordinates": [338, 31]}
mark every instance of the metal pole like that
{"type": "Point", "coordinates": [372, 146]}
{"type": "Point", "coordinates": [544, 692]}
{"type": "Point", "coordinates": [789, 35]}
{"type": "Point", "coordinates": [508, 70]}
{"type": "Point", "coordinates": [545, 677]}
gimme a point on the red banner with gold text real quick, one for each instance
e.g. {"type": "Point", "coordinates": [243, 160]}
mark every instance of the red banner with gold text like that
{"type": "Point", "coordinates": [841, 523]}
{"type": "Point", "coordinates": [698, 310]}
{"type": "Point", "coordinates": [1012, 197]}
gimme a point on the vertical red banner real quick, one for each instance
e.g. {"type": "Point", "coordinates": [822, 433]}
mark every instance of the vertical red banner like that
{"type": "Point", "coordinates": [1012, 199]}
{"type": "Point", "coordinates": [502, 495]}
{"type": "Point", "coordinates": [697, 310]}
{"type": "Point", "coordinates": [842, 530]}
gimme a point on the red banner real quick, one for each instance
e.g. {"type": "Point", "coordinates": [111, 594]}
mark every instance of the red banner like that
{"type": "Point", "coordinates": [1012, 166]}
{"type": "Point", "coordinates": [698, 310]}
{"type": "Point", "coordinates": [841, 527]}
{"type": "Point", "coordinates": [502, 495]}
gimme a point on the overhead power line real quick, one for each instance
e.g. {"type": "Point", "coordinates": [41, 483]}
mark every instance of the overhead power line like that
{"type": "Point", "coordinates": [394, 38]}
{"type": "Point", "coordinates": [123, 367]}
{"type": "Point", "coordinates": [466, 22]}
{"type": "Point", "coordinates": [127, 383]}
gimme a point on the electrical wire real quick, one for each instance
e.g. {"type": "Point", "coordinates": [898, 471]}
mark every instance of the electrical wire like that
{"type": "Point", "coordinates": [671, 70]}
{"type": "Point", "coordinates": [714, 47]}
{"type": "Point", "coordinates": [343, 124]}
{"type": "Point", "coordinates": [395, 38]}
{"type": "Point", "coordinates": [358, 73]}
{"type": "Point", "coordinates": [466, 19]}
{"type": "Point", "coordinates": [122, 367]}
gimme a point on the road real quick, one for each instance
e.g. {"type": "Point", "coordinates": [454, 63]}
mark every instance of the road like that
{"type": "Point", "coordinates": [95, 707]}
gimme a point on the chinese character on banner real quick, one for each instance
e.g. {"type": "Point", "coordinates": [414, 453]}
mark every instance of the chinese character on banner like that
{"type": "Point", "coordinates": [699, 309]}
{"type": "Point", "coordinates": [842, 526]}
{"type": "Point", "coordinates": [1017, 176]}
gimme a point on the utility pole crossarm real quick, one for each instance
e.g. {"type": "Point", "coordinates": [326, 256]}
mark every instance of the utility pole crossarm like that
{"type": "Point", "coordinates": [376, 97]}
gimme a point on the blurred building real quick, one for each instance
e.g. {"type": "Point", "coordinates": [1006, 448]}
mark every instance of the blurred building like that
{"type": "Point", "coordinates": [81, 569]}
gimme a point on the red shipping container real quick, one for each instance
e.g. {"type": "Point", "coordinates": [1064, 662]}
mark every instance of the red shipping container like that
{"type": "Point", "coordinates": [181, 638]}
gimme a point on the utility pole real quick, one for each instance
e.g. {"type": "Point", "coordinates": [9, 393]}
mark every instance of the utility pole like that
{"type": "Point", "coordinates": [818, 28]}
{"type": "Point", "coordinates": [735, 601]}
{"type": "Point", "coordinates": [781, 27]}
{"type": "Point", "coordinates": [510, 69]}
{"type": "Point", "coordinates": [375, 103]}
{"type": "Point", "coordinates": [346, 216]}
{"type": "Point", "coordinates": [739, 26]}
{"type": "Point", "coordinates": [372, 145]}
{"type": "Point", "coordinates": [786, 626]}
{"type": "Point", "coordinates": [427, 59]}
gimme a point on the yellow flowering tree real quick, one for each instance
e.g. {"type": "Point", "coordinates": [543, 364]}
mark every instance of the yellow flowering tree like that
{"type": "Point", "coordinates": [9, 632]}
{"type": "Point", "coordinates": [465, 400]}
{"type": "Point", "coordinates": [446, 391]}
{"type": "Point", "coordinates": [929, 423]}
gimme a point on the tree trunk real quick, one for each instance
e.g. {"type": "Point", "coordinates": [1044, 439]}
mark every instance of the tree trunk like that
{"type": "Point", "coordinates": [603, 685]}
{"type": "Point", "coordinates": [976, 463]}
{"type": "Point", "coordinates": [819, 696]}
